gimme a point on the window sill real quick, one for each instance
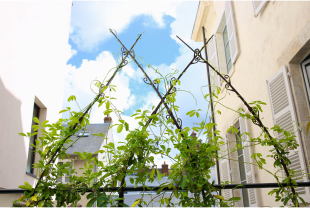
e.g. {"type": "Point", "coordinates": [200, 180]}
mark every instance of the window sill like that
{"type": "Point", "coordinates": [32, 175]}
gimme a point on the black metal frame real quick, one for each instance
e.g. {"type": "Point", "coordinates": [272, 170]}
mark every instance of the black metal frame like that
{"type": "Point", "coordinates": [177, 122]}
{"type": "Point", "coordinates": [155, 188]}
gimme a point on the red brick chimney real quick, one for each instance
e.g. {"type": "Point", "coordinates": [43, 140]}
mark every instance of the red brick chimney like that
{"type": "Point", "coordinates": [164, 168]}
{"type": "Point", "coordinates": [193, 134]}
{"type": "Point", "coordinates": [108, 119]}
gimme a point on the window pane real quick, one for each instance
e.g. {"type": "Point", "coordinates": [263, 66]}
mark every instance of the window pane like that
{"type": "Point", "coordinates": [245, 197]}
{"type": "Point", "coordinates": [29, 161]}
{"type": "Point", "coordinates": [225, 36]}
{"type": "Point", "coordinates": [242, 169]}
{"type": "Point", "coordinates": [67, 179]}
{"type": "Point", "coordinates": [229, 65]}
{"type": "Point", "coordinates": [227, 53]}
{"type": "Point", "coordinates": [237, 136]}
{"type": "Point", "coordinates": [308, 73]}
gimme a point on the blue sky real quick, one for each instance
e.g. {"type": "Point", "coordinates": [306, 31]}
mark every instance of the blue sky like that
{"type": "Point", "coordinates": [92, 46]}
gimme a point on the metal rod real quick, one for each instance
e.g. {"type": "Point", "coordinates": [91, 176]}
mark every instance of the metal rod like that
{"type": "Point", "coordinates": [155, 188]}
{"type": "Point", "coordinates": [211, 103]}
{"type": "Point", "coordinates": [152, 84]}
{"type": "Point", "coordinates": [171, 87]}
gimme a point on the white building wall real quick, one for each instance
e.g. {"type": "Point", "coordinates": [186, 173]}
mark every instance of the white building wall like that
{"type": "Point", "coordinates": [34, 50]}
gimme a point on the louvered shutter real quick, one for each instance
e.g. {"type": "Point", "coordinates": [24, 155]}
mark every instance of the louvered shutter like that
{"type": "Point", "coordinates": [234, 52]}
{"type": "Point", "coordinates": [250, 177]}
{"type": "Point", "coordinates": [212, 56]}
{"type": "Point", "coordinates": [225, 169]}
{"type": "Point", "coordinates": [257, 6]}
{"type": "Point", "coordinates": [283, 112]}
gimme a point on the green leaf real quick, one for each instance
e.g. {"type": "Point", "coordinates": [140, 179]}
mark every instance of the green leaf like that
{"type": "Point", "coordinates": [126, 126]}
{"type": "Point", "coordinates": [303, 201]}
{"type": "Point", "coordinates": [308, 127]}
{"type": "Point", "coordinates": [219, 197]}
{"type": "Point", "coordinates": [35, 133]}
{"type": "Point", "coordinates": [36, 120]}
{"type": "Point", "coordinates": [158, 175]}
{"type": "Point", "coordinates": [44, 123]}
{"type": "Point", "coordinates": [80, 155]}
{"type": "Point", "coordinates": [91, 202]}
{"type": "Point", "coordinates": [218, 90]}
{"type": "Point", "coordinates": [120, 128]}
{"type": "Point", "coordinates": [235, 199]}
{"type": "Point", "coordinates": [62, 111]}
{"type": "Point", "coordinates": [135, 203]}
{"type": "Point", "coordinates": [107, 105]}
{"type": "Point", "coordinates": [90, 195]}
{"type": "Point", "coordinates": [25, 187]}
{"type": "Point", "coordinates": [104, 204]}
{"type": "Point", "coordinates": [183, 181]}
{"type": "Point", "coordinates": [152, 173]}
{"type": "Point", "coordinates": [72, 97]}
{"type": "Point", "coordinates": [132, 181]}
{"type": "Point", "coordinates": [22, 134]}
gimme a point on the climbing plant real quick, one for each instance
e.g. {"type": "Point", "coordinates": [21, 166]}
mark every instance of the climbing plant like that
{"type": "Point", "coordinates": [190, 173]}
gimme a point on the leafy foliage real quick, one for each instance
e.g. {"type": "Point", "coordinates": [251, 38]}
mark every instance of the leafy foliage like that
{"type": "Point", "coordinates": [190, 174]}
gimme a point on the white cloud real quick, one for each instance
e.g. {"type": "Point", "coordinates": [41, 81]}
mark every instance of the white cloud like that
{"type": "Point", "coordinates": [90, 21]}
{"type": "Point", "coordinates": [150, 99]}
{"type": "Point", "coordinates": [78, 83]}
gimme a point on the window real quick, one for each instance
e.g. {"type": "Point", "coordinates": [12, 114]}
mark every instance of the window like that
{"type": "Point", "coordinates": [84, 134]}
{"type": "Point", "coordinates": [305, 67]}
{"type": "Point", "coordinates": [242, 171]}
{"type": "Point", "coordinates": [31, 152]}
{"type": "Point", "coordinates": [65, 177]}
{"type": "Point", "coordinates": [227, 49]}
{"type": "Point", "coordinates": [223, 50]}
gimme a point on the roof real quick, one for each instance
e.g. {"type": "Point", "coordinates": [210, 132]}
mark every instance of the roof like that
{"type": "Point", "coordinates": [90, 143]}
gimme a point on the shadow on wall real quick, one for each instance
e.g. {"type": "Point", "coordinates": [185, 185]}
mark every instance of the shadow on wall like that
{"type": "Point", "coordinates": [12, 147]}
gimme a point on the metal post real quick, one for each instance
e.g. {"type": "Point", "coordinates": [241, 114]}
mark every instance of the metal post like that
{"type": "Point", "coordinates": [212, 111]}
{"type": "Point", "coordinates": [121, 193]}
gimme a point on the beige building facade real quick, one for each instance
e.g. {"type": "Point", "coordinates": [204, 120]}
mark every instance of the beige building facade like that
{"type": "Point", "coordinates": [34, 50]}
{"type": "Point", "coordinates": [264, 47]}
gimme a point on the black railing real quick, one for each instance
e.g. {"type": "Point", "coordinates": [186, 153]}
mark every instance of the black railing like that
{"type": "Point", "coordinates": [155, 188]}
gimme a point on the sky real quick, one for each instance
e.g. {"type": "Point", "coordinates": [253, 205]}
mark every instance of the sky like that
{"type": "Point", "coordinates": [93, 50]}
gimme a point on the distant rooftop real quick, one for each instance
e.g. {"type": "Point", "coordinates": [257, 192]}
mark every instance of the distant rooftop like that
{"type": "Point", "coordinates": [88, 142]}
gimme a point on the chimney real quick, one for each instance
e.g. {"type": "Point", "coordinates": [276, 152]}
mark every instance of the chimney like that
{"type": "Point", "coordinates": [108, 119]}
{"type": "Point", "coordinates": [164, 168]}
{"type": "Point", "coordinates": [193, 134]}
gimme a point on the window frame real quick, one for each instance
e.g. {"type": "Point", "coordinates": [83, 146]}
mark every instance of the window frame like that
{"type": "Point", "coordinates": [31, 149]}
{"type": "Point", "coordinates": [306, 81]}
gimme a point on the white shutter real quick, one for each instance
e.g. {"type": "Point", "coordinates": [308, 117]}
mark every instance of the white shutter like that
{"type": "Point", "coordinates": [257, 6]}
{"type": "Point", "coordinates": [283, 113]}
{"type": "Point", "coordinates": [250, 177]}
{"type": "Point", "coordinates": [234, 52]}
{"type": "Point", "coordinates": [225, 169]}
{"type": "Point", "coordinates": [213, 59]}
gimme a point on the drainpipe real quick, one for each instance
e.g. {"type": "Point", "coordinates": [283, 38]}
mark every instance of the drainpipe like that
{"type": "Point", "coordinates": [212, 110]}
